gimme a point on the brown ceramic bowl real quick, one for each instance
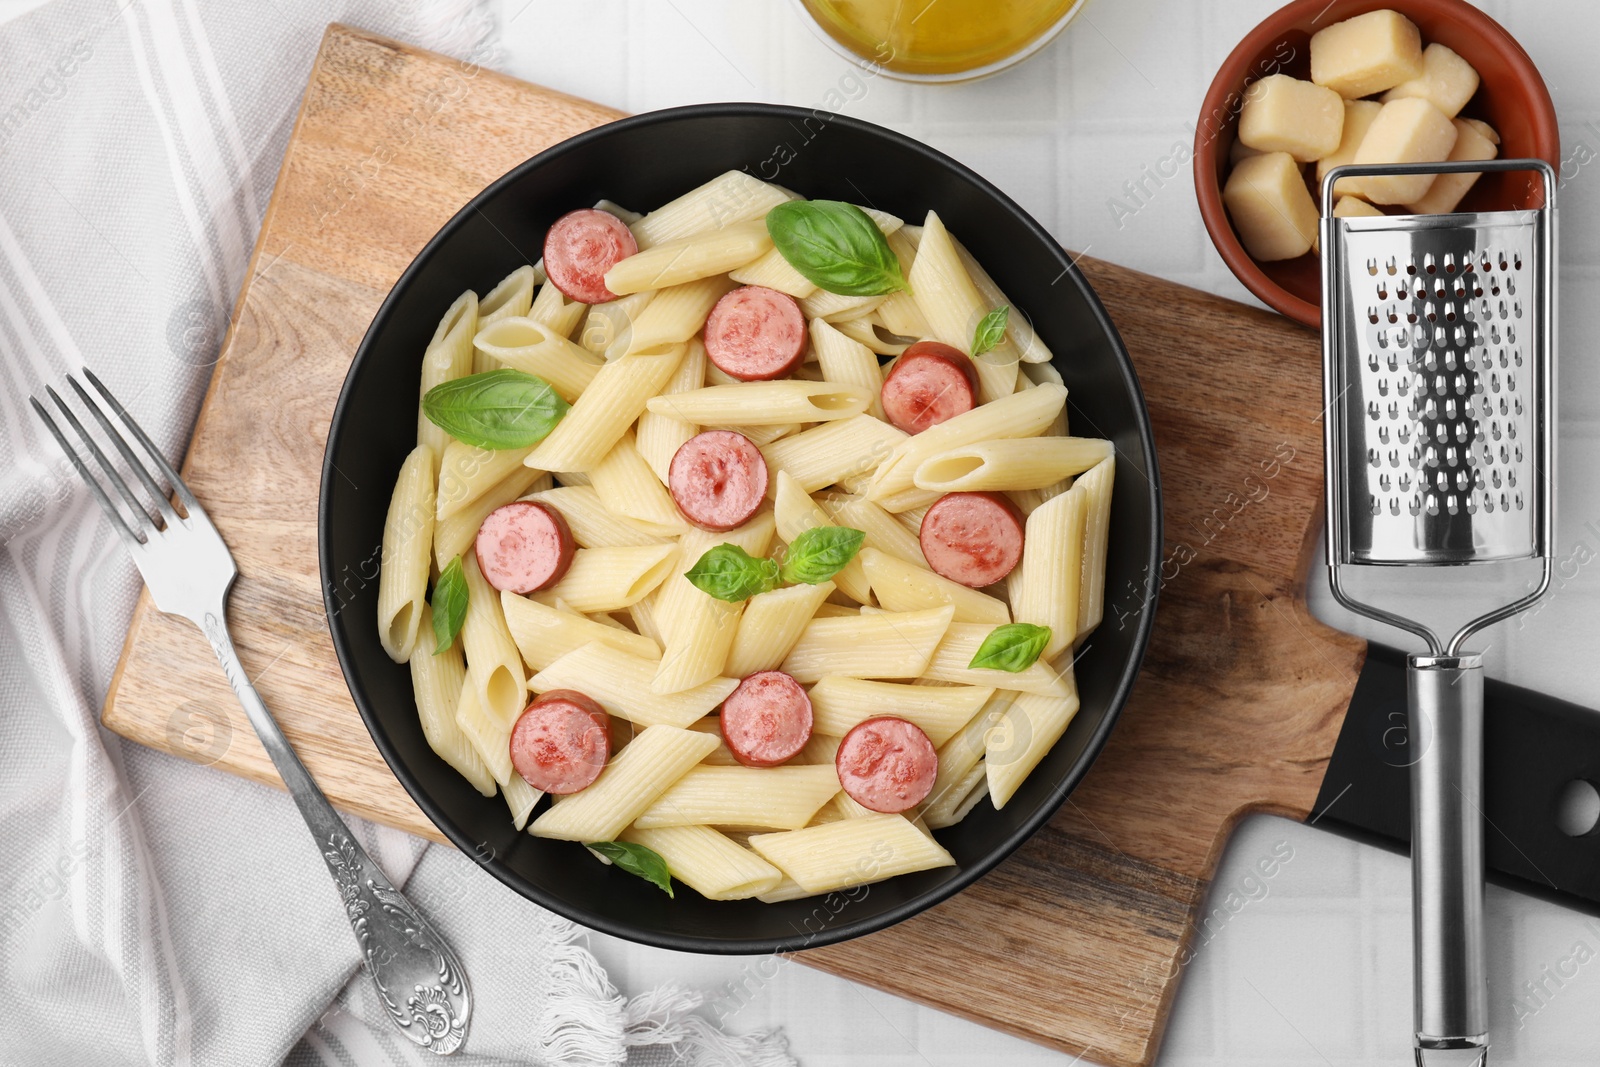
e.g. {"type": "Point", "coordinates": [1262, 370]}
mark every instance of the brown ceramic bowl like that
{"type": "Point", "coordinates": [1511, 97]}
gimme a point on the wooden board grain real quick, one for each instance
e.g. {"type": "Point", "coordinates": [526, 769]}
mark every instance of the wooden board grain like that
{"type": "Point", "coordinates": [1078, 940]}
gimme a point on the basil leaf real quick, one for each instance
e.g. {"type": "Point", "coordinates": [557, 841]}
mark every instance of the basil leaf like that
{"type": "Point", "coordinates": [636, 859]}
{"type": "Point", "coordinates": [728, 572]}
{"type": "Point", "coordinates": [836, 246]}
{"type": "Point", "coordinates": [1013, 647]}
{"type": "Point", "coordinates": [820, 553]}
{"type": "Point", "coordinates": [497, 409]}
{"type": "Point", "coordinates": [991, 330]}
{"type": "Point", "coordinates": [449, 605]}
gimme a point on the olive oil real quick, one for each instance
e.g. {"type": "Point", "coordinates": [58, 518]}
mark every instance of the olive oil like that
{"type": "Point", "coordinates": [938, 37]}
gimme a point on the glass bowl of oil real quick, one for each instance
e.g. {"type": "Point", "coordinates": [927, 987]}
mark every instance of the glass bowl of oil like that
{"type": "Point", "coordinates": [938, 40]}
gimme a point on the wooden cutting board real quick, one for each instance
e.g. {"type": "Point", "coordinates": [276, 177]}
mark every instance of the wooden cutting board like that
{"type": "Point", "coordinates": [1077, 941]}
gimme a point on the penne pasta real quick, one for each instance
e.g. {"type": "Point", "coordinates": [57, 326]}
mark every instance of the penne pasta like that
{"type": "Point", "coordinates": [953, 307]}
{"type": "Point", "coordinates": [773, 798]}
{"type": "Point", "coordinates": [621, 682]}
{"type": "Point", "coordinates": [961, 760]}
{"type": "Point", "coordinates": [630, 783]}
{"type": "Point", "coordinates": [605, 410]}
{"type": "Point", "coordinates": [848, 362]}
{"type": "Point", "coordinates": [676, 314]}
{"type": "Point", "coordinates": [689, 259]}
{"type": "Point", "coordinates": [839, 703]}
{"type": "Point", "coordinates": [436, 683]}
{"type": "Point", "coordinates": [828, 453]}
{"type": "Point", "coordinates": [1024, 414]}
{"type": "Point", "coordinates": [1014, 463]}
{"type": "Point", "coordinates": [592, 524]}
{"type": "Point", "coordinates": [512, 297]}
{"type": "Point", "coordinates": [1030, 728]}
{"type": "Point", "coordinates": [869, 330]}
{"type": "Point", "coordinates": [1019, 329]}
{"type": "Point", "coordinates": [962, 641]}
{"type": "Point", "coordinates": [608, 327]}
{"type": "Point", "coordinates": [534, 348]}
{"type": "Point", "coordinates": [770, 625]}
{"type": "Point", "coordinates": [468, 472]}
{"type": "Point", "coordinates": [1049, 578]}
{"type": "Point", "coordinates": [608, 579]}
{"type": "Point", "coordinates": [885, 636]}
{"type": "Point", "coordinates": [1096, 485]}
{"type": "Point", "coordinates": [489, 738]}
{"type": "Point", "coordinates": [521, 798]}
{"type": "Point", "coordinates": [455, 533]}
{"type": "Point", "coordinates": [628, 487]}
{"type": "Point", "coordinates": [658, 437]}
{"type": "Point", "coordinates": [710, 863]}
{"type": "Point", "coordinates": [899, 312]}
{"type": "Point", "coordinates": [761, 436]}
{"type": "Point", "coordinates": [795, 513]}
{"type": "Point", "coordinates": [407, 541]}
{"type": "Point", "coordinates": [884, 531]}
{"type": "Point", "coordinates": [494, 665]}
{"type": "Point", "coordinates": [553, 308]}
{"type": "Point", "coordinates": [900, 586]}
{"type": "Point", "coordinates": [851, 852]}
{"type": "Point", "coordinates": [543, 634]}
{"type": "Point", "coordinates": [825, 305]}
{"type": "Point", "coordinates": [733, 196]}
{"type": "Point", "coordinates": [893, 644]}
{"type": "Point", "coordinates": [447, 357]}
{"type": "Point", "coordinates": [772, 271]}
{"type": "Point", "coordinates": [764, 403]}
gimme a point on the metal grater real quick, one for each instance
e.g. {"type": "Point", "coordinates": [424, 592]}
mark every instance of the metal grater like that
{"type": "Point", "coordinates": [1439, 376]}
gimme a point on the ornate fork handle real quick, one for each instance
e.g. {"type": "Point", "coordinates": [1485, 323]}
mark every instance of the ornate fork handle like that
{"type": "Point", "coordinates": [416, 973]}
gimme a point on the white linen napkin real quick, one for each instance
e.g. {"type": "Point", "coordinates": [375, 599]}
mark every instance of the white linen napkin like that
{"type": "Point", "coordinates": [154, 912]}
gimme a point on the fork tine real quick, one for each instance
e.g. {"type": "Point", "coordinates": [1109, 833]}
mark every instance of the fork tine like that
{"type": "Point", "coordinates": [189, 502]}
{"type": "Point", "coordinates": [116, 439]}
{"type": "Point", "coordinates": [148, 524]}
{"type": "Point", "coordinates": [132, 539]}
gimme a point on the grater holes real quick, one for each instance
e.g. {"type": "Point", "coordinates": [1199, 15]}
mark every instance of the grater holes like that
{"type": "Point", "coordinates": [1372, 266]}
{"type": "Point", "coordinates": [1449, 262]}
{"type": "Point", "coordinates": [1430, 264]}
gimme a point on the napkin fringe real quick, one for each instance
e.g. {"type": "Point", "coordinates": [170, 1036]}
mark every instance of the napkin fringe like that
{"type": "Point", "coordinates": [668, 1016]}
{"type": "Point", "coordinates": [582, 1020]}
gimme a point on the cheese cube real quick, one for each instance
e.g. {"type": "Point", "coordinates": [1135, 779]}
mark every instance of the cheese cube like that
{"type": "Point", "coordinates": [1271, 207]}
{"type": "Point", "coordinates": [1358, 116]}
{"type": "Point", "coordinates": [1353, 207]}
{"type": "Point", "coordinates": [1239, 151]}
{"type": "Point", "coordinates": [1486, 130]}
{"type": "Point", "coordinates": [1448, 189]}
{"type": "Point", "coordinates": [1284, 114]}
{"type": "Point", "coordinates": [1409, 130]}
{"type": "Point", "coordinates": [1447, 81]}
{"type": "Point", "coordinates": [1366, 54]}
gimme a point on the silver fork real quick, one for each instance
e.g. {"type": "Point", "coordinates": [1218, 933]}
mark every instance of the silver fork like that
{"type": "Point", "coordinates": [189, 571]}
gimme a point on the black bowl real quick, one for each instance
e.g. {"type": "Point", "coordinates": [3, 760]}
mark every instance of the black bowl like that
{"type": "Point", "coordinates": [642, 162]}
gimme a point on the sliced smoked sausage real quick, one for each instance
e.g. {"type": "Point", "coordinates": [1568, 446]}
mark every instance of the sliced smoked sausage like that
{"type": "Point", "coordinates": [930, 383]}
{"type": "Point", "coordinates": [767, 719]}
{"type": "Point", "coordinates": [887, 764]}
{"type": "Point", "coordinates": [580, 247]}
{"type": "Point", "coordinates": [524, 546]}
{"type": "Point", "coordinates": [972, 538]}
{"type": "Point", "coordinates": [561, 742]}
{"type": "Point", "coordinates": [755, 334]}
{"type": "Point", "coordinates": [718, 479]}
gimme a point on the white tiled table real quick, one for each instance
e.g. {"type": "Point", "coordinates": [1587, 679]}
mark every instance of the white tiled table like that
{"type": "Point", "coordinates": [1317, 970]}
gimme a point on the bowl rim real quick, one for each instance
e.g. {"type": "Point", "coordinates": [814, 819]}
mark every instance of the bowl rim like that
{"type": "Point", "coordinates": [1232, 75]}
{"type": "Point", "coordinates": [833, 933]}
